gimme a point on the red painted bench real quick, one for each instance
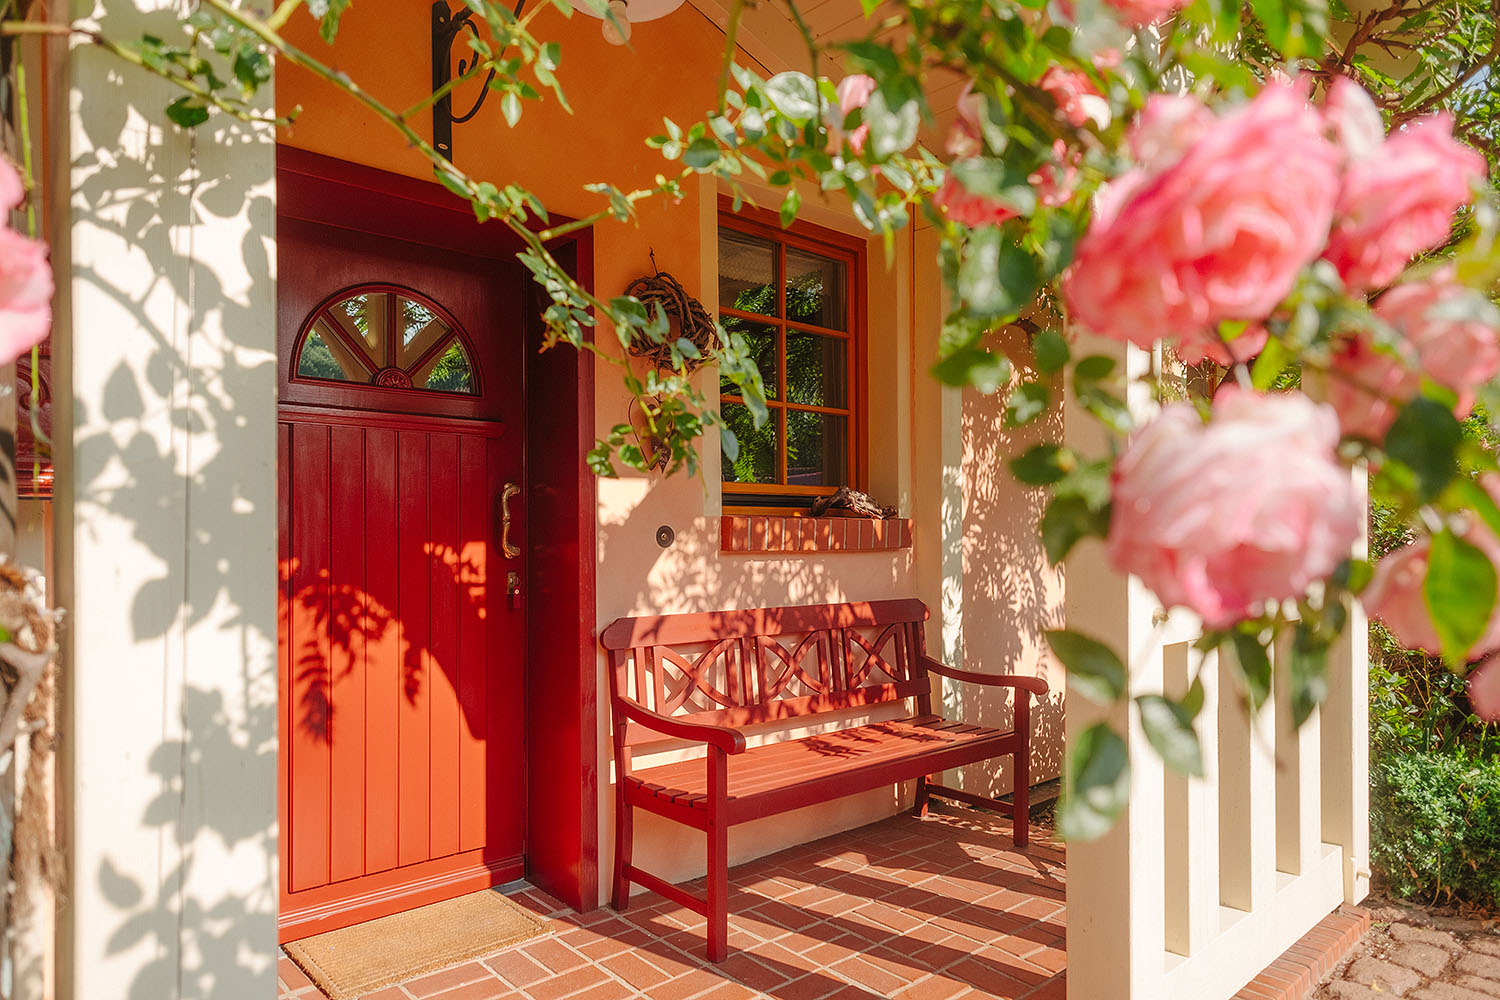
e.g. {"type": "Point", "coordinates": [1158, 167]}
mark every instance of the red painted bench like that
{"type": "Point", "coordinates": [701, 677]}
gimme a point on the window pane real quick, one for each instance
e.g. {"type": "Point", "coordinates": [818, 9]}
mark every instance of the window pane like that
{"type": "Point", "coordinates": [450, 372]}
{"type": "Point", "coordinates": [328, 357]}
{"type": "Point", "coordinates": [420, 330]}
{"type": "Point", "coordinates": [747, 273]}
{"type": "Point", "coordinates": [817, 449]}
{"type": "Point", "coordinates": [815, 290]}
{"type": "Point", "coordinates": [817, 369]}
{"type": "Point", "coordinates": [762, 343]}
{"type": "Point", "coordinates": [363, 319]}
{"type": "Point", "coordinates": [757, 461]}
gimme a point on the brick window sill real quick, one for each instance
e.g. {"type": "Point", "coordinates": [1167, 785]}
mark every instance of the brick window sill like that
{"type": "Point", "coordinates": [759, 534]}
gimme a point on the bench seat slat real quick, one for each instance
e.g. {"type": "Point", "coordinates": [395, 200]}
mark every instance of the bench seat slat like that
{"type": "Point", "coordinates": [763, 779]}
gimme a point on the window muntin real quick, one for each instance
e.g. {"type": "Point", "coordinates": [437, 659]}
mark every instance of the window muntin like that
{"type": "Point", "coordinates": [792, 296]}
{"type": "Point", "coordinates": [350, 340]}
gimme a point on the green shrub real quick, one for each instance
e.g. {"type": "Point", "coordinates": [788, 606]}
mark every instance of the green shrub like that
{"type": "Point", "coordinates": [1435, 826]}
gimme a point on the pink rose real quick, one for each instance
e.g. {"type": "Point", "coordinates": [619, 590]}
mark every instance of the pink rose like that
{"type": "Point", "coordinates": [1354, 119]}
{"type": "Point", "coordinates": [853, 93]}
{"type": "Point", "coordinates": [1055, 181]}
{"type": "Point", "coordinates": [1452, 331]}
{"type": "Point", "coordinates": [1221, 517]}
{"type": "Point", "coordinates": [1138, 13]}
{"type": "Point", "coordinates": [1367, 386]}
{"type": "Point", "coordinates": [1218, 231]}
{"type": "Point", "coordinates": [1395, 592]}
{"type": "Point", "coordinates": [1078, 100]}
{"type": "Point", "coordinates": [25, 294]}
{"type": "Point", "coordinates": [1166, 129]}
{"type": "Point", "coordinates": [965, 139]}
{"type": "Point", "coordinates": [12, 191]}
{"type": "Point", "coordinates": [1134, 13]}
{"type": "Point", "coordinates": [1194, 348]}
{"type": "Point", "coordinates": [1399, 200]}
{"type": "Point", "coordinates": [1484, 689]}
{"type": "Point", "coordinates": [970, 209]}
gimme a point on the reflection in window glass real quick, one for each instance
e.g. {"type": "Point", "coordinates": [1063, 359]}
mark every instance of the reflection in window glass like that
{"type": "Point", "coordinates": [747, 273]}
{"type": "Point", "coordinates": [348, 342]}
{"type": "Point", "coordinates": [329, 358]}
{"type": "Point", "coordinates": [817, 369]}
{"type": "Point", "coordinates": [817, 448]}
{"type": "Point", "coordinates": [757, 460]}
{"type": "Point", "coordinates": [421, 330]}
{"type": "Point", "coordinates": [815, 292]}
{"type": "Point", "coordinates": [451, 372]}
{"type": "Point", "coordinates": [762, 343]}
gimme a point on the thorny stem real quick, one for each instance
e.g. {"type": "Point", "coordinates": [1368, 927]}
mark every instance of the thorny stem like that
{"type": "Point", "coordinates": [23, 114]}
{"type": "Point", "coordinates": [731, 33]}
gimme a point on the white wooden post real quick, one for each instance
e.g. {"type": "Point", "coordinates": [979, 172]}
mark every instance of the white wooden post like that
{"type": "Point", "coordinates": [164, 355]}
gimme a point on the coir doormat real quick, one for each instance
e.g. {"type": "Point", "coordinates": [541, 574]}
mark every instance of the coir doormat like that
{"type": "Point", "coordinates": [351, 962]}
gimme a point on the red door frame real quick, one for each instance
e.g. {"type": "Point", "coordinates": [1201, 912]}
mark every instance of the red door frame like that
{"type": "Point", "coordinates": [562, 767]}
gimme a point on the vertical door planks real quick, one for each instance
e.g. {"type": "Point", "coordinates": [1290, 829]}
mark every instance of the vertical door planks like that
{"type": "Point", "coordinates": [384, 682]}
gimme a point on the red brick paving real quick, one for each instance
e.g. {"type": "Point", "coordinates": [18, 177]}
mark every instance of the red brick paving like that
{"type": "Point", "coordinates": [936, 909]}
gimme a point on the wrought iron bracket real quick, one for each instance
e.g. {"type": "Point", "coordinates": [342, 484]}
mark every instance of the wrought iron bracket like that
{"type": "Point", "coordinates": [446, 27]}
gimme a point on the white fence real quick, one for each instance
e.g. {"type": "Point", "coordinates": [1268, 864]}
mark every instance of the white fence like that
{"type": "Point", "coordinates": [1204, 883]}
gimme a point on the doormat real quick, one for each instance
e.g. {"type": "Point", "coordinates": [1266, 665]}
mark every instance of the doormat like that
{"type": "Point", "coordinates": [348, 963]}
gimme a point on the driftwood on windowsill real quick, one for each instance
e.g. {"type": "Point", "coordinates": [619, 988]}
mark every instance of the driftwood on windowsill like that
{"type": "Point", "coordinates": [856, 503]}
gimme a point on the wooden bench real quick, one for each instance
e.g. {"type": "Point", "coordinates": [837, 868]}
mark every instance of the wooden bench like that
{"type": "Point", "coordinates": [701, 677]}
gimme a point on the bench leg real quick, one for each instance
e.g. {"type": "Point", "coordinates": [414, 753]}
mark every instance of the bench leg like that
{"type": "Point", "coordinates": [1021, 790]}
{"type": "Point", "coordinates": [718, 857]}
{"type": "Point", "coordinates": [624, 841]}
{"type": "Point", "coordinates": [718, 893]}
{"type": "Point", "coordinates": [919, 806]}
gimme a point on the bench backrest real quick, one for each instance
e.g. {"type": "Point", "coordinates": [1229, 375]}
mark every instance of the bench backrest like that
{"type": "Point", "coordinates": [738, 668]}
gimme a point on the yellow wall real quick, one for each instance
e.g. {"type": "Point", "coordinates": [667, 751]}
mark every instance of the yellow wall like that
{"type": "Point", "coordinates": [619, 96]}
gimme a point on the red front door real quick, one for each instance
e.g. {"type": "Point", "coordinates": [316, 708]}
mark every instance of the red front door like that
{"type": "Point", "coordinates": [402, 737]}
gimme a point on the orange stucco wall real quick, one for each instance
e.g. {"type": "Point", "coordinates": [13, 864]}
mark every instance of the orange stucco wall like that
{"type": "Point", "coordinates": [619, 96]}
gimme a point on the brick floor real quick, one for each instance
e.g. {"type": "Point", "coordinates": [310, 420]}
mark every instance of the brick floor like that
{"type": "Point", "coordinates": [936, 909]}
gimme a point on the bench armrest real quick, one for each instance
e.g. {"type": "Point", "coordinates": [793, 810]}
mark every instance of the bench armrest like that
{"type": "Point", "coordinates": [1035, 685]}
{"type": "Point", "coordinates": [726, 739]}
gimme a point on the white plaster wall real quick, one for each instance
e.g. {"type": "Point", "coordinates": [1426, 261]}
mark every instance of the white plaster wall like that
{"type": "Point", "coordinates": [165, 526]}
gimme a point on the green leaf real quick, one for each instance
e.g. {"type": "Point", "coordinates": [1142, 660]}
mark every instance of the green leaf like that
{"type": "Point", "coordinates": [892, 129]}
{"type": "Point", "coordinates": [984, 370]}
{"type": "Point", "coordinates": [1096, 784]}
{"type": "Point", "coordinates": [1092, 369]}
{"type": "Point", "coordinates": [187, 112]}
{"type": "Point", "coordinates": [1094, 670]}
{"type": "Point", "coordinates": [252, 68]}
{"type": "Point", "coordinates": [1042, 464]}
{"type": "Point", "coordinates": [1254, 666]}
{"type": "Point", "coordinates": [1067, 521]}
{"type": "Point", "coordinates": [789, 207]}
{"type": "Point", "coordinates": [1274, 359]}
{"type": "Point", "coordinates": [794, 95]}
{"type": "Point", "coordinates": [1027, 401]}
{"type": "Point", "coordinates": [1051, 351]}
{"type": "Point", "coordinates": [1169, 729]}
{"type": "Point", "coordinates": [1425, 438]}
{"type": "Point", "coordinates": [997, 278]}
{"type": "Point", "coordinates": [510, 107]}
{"type": "Point", "coordinates": [328, 17]}
{"type": "Point", "coordinates": [1459, 590]}
{"type": "Point", "coordinates": [1309, 673]}
{"type": "Point", "coordinates": [1192, 702]}
{"type": "Point", "coordinates": [702, 153]}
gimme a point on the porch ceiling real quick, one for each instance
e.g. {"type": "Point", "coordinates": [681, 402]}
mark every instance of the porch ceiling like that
{"type": "Point", "coordinates": [768, 36]}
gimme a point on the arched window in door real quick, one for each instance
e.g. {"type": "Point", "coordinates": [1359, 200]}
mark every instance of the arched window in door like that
{"type": "Point", "coordinates": [385, 336]}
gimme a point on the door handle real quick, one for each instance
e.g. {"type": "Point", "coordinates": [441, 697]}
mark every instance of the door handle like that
{"type": "Point", "coordinates": [508, 550]}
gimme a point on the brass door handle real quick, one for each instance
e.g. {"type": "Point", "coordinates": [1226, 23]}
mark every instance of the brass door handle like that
{"type": "Point", "coordinates": [506, 548]}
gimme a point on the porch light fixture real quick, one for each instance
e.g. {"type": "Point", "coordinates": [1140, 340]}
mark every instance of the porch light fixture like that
{"type": "Point", "coordinates": [619, 15]}
{"type": "Point", "coordinates": [446, 27]}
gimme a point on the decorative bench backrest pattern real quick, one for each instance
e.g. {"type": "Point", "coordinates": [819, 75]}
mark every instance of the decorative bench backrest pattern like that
{"type": "Point", "coordinates": [739, 668]}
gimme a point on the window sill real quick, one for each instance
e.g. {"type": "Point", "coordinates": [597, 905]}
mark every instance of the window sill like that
{"type": "Point", "coordinates": [758, 534]}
